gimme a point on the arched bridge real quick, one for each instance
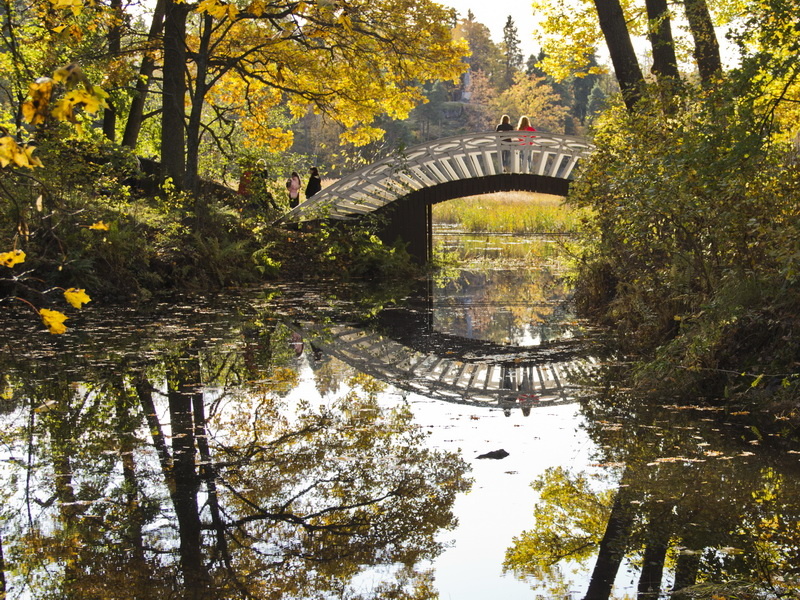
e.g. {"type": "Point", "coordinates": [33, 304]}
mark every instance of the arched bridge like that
{"type": "Point", "coordinates": [403, 187]}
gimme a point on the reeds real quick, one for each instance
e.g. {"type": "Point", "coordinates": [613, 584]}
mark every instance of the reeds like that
{"type": "Point", "coordinates": [509, 212]}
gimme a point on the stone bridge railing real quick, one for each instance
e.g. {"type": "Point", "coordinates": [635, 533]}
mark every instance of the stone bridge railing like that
{"type": "Point", "coordinates": [441, 161]}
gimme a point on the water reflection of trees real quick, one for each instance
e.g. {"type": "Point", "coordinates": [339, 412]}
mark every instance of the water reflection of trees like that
{"type": "Point", "coordinates": [502, 305]}
{"type": "Point", "coordinates": [183, 469]}
{"type": "Point", "coordinates": [702, 506]}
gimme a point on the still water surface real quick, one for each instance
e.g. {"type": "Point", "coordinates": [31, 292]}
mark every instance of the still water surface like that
{"type": "Point", "coordinates": [323, 440]}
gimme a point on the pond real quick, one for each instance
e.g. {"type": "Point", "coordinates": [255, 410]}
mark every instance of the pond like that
{"type": "Point", "coordinates": [458, 438]}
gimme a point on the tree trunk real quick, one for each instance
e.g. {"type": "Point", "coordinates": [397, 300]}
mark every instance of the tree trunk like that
{"type": "Point", "coordinates": [209, 475]}
{"type": "Point", "coordinates": [186, 485]}
{"type": "Point", "coordinates": [126, 424]}
{"type": "Point", "coordinates": [144, 390]}
{"type": "Point", "coordinates": [114, 41]}
{"type": "Point", "coordinates": [173, 116]}
{"type": "Point", "coordinates": [136, 113]}
{"type": "Point", "coordinates": [626, 66]}
{"type": "Point", "coordinates": [3, 590]}
{"type": "Point", "coordinates": [614, 543]}
{"type": "Point", "coordinates": [659, 530]}
{"type": "Point", "coordinates": [659, 32]}
{"type": "Point", "coordinates": [179, 469]}
{"type": "Point", "coordinates": [688, 563]}
{"type": "Point", "coordinates": [191, 180]}
{"type": "Point", "coordinates": [706, 46]}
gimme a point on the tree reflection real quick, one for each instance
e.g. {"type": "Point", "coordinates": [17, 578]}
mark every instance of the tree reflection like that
{"type": "Point", "coordinates": [702, 507]}
{"type": "Point", "coordinates": [186, 470]}
{"type": "Point", "coordinates": [502, 305]}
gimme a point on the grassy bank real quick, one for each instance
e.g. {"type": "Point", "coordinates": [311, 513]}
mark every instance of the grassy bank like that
{"type": "Point", "coordinates": [509, 212]}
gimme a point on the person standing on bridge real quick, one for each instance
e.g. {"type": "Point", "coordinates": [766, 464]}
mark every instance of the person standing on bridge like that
{"type": "Point", "coordinates": [314, 183]}
{"type": "Point", "coordinates": [525, 125]}
{"type": "Point", "coordinates": [505, 125]}
{"type": "Point", "coordinates": [293, 185]}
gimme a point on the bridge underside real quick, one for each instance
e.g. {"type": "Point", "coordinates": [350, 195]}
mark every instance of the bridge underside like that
{"type": "Point", "coordinates": [409, 219]}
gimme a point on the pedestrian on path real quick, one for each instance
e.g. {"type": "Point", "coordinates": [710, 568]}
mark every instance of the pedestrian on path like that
{"type": "Point", "coordinates": [293, 185]}
{"type": "Point", "coordinates": [314, 183]}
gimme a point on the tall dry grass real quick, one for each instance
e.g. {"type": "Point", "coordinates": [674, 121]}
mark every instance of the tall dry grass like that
{"type": "Point", "coordinates": [509, 212]}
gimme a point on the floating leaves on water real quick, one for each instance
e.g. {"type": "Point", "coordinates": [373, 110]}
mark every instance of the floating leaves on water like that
{"type": "Point", "coordinates": [608, 465]}
{"type": "Point", "coordinates": [674, 459]}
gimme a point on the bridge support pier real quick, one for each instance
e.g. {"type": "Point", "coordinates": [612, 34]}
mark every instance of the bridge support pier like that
{"type": "Point", "coordinates": [410, 221]}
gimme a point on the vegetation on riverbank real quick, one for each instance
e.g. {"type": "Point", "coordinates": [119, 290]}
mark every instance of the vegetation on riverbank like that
{"type": "Point", "coordinates": [122, 235]}
{"type": "Point", "coordinates": [692, 255]}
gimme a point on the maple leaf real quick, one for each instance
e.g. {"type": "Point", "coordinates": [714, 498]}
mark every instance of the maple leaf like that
{"type": "Point", "coordinates": [11, 152]}
{"type": "Point", "coordinates": [256, 7]}
{"type": "Point", "coordinates": [63, 110]}
{"type": "Point", "coordinates": [8, 147]}
{"type": "Point", "coordinates": [14, 257]}
{"type": "Point", "coordinates": [76, 297]}
{"type": "Point", "coordinates": [53, 320]}
{"type": "Point", "coordinates": [72, 76]}
{"type": "Point", "coordinates": [33, 161]}
{"type": "Point", "coordinates": [34, 109]}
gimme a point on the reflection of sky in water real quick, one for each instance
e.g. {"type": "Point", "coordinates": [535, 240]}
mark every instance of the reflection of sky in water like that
{"type": "Point", "coordinates": [500, 504]}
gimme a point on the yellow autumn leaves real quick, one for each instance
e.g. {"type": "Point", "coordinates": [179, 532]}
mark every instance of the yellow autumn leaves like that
{"type": "Point", "coordinates": [52, 319]}
{"type": "Point", "coordinates": [37, 108]}
{"type": "Point", "coordinates": [13, 153]}
{"type": "Point", "coordinates": [218, 9]}
{"type": "Point", "coordinates": [80, 95]}
{"type": "Point", "coordinates": [76, 297]}
{"type": "Point", "coordinates": [14, 257]}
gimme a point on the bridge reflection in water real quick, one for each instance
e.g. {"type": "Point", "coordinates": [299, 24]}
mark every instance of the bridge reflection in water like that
{"type": "Point", "coordinates": [403, 348]}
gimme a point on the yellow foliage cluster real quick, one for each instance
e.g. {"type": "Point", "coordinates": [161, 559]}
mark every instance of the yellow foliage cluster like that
{"type": "Point", "coordinates": [80, 95]}
{"type": "Point", "coordinates": [75, 6]}
{"type": "Point", "coordinates": [217, 9]}
{"type": "Point", "coordinates": [14, 257]}
{"type": "Point", "coordinates": [13, 153]}
{"type": "Point", "coordinates": [569, 33]}
{"type": "Point", "coordinates": [52, 319]}
{"type": "Point", "coordinates": [331, 58]}
{"type": "Point", "coordinates": [37, 108]}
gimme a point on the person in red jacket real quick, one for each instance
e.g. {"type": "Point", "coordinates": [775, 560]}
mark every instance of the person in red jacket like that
{"type": "Point", "coordinates": [526, 156]}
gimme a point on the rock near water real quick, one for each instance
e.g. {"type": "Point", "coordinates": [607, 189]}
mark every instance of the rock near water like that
{"type": "Point", "coordinates": [497, 454]}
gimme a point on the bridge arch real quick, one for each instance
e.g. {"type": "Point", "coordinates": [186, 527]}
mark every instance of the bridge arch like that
{"type": "Point", "coordinates": [402, 188]}
{"type": "Point", "coordinates": [455, 369]}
